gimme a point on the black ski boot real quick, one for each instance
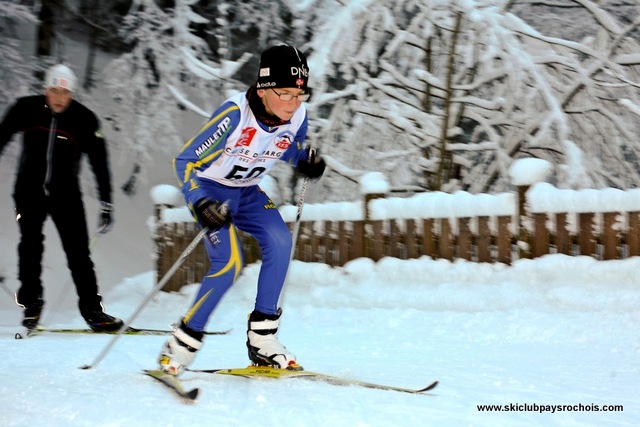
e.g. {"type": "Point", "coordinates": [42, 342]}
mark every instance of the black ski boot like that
{"type": "Point", "coordinates": [32, 314]}
{"type": "Point", "coordinates": [99, 321]}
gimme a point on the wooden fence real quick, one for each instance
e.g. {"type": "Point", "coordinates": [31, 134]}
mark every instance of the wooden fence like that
{"type": "Point", "coordinates": [483, 238]}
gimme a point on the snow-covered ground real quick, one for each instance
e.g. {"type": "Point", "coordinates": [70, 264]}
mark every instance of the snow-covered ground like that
{"type": "Point", "coordinates": [555, 331]}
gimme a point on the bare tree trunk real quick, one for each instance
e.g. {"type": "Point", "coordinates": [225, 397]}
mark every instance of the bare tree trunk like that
{"type": "Point", "coordinates": [91, 57]}
{"type": "Point", "coordinates": [46, 34]}
{"type": "Point", "coordinates": [445, 161]}
{"type": "Point", "coordinates": [46, 29]}
{"type": "Point", "coordinates": [92, 10]}
{"type": "Point", "coordinates": [426, 104]}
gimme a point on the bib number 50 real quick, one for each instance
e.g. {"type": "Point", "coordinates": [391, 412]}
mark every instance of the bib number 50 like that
{"type": "Point", "coordinates": [243, 173]}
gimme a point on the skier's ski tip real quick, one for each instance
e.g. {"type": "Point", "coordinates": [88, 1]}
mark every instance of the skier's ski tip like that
{"type": "Point", "coordinates": [173, 383]}
{"type": "Point", "coordinates": [429, 387]}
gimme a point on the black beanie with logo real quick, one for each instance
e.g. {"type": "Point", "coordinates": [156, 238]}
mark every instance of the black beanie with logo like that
{"type": "Point", "coordinates": [283, 66]}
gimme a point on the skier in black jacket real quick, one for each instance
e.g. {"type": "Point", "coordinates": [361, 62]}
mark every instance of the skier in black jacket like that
{"type": "Point", "coordinates": [57, 131]}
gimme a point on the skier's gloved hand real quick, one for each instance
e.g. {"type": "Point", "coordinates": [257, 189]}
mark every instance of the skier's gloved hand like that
{"type": "Point", "coordinates": [212, 214]}
{"type": "Point", "coordinates": [314, 166]}
{"type": "Point", "coordinates": [105, 217]}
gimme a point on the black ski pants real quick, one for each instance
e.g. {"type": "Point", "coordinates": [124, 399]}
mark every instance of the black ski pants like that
{"type": "Point", "coordinates": [68, 215]}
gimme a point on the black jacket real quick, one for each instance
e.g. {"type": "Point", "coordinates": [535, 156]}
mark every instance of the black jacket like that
{"type": "Point", "coordinates": [52, 148]}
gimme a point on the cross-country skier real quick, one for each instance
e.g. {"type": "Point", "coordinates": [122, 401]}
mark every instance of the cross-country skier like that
{"type": "Point", "coordinates": [57, 130]}
{"type": "Point", "coordinates": [219, 171]}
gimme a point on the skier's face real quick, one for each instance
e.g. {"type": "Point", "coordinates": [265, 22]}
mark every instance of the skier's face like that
{"type": "Point", "coordinates": [58, 99]}
{"type": "Point", "coordinates": [274, 103]}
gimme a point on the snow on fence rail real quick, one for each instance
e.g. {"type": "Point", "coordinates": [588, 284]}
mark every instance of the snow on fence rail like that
{"type": "Point", "coordinates": [535, 221]}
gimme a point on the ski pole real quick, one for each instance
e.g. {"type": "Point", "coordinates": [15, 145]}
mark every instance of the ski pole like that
{"type": "Point", "coordinates": [296, 230]}
{"type": "Point", "coordinates": [296, 225]}
{"type": "Point", "coordinates": [151, 294]}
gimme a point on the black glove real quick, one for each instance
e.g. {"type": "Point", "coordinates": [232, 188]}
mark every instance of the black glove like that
{"type": "Point", "coordinates": [314, 166]}
{"type": "Point", "coordinates": [105, 218]}
{"type": "Point", "coordinates": [212, 214]}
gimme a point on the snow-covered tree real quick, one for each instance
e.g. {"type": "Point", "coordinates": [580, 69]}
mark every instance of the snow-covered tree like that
{"type": "Point", "coordinates": [248, 26]}
{"type": "Point", "coordinates": [15, 70]}
{"type": "Point", "coordinates": [207, 76]}
{"type": "Point", "coordinates": [445, 95]}
{"type": "Point", "coordinates": [146, 80]}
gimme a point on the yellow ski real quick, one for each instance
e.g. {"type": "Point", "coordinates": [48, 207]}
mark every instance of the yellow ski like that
{"type": "Point", "coordinates": [173, 383]}
{"type": "Point", "coordinates": [269, 372]}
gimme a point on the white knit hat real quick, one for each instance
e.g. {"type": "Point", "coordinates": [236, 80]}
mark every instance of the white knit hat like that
{"type": "Point", "coordinates": [60, 76]}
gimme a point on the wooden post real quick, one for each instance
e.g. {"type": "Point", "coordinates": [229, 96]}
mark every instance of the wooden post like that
{"type": "Point", "coordinates": [358, 248]}
{"type": "Point", "coordinates": [504, 240]}
{"type": "Point", "coordinates": [163, 242]}
{"type": "Point", "coordinates": [395, 240]}
{"type": "Point", "coordinates": [375, 250]}
{"type": "Point", "coordinates": [446, 240]}
{"type": "Point", "coordinates": [540, 236]}
{"type": "Point", "coordinates": [563, 243]}
{"type": "Point", "coordinates": [586, 239]}
{"type": "Point", "coordinates": [377, 241]}
{"type": "Point", "coordinates": [367, 198]}
{"type": "Point", "coordinates": [633, 235]}
{"type": "Point", "coordinates": [345, 240]}
{"type": "Point", "coordinates": [309, 242]}
{"type": "Point", "coordinates": [330, 245]}
{"type": "Point", "coordinates": [410, 239]}
{"type": "Point", "coordinates": [523, 221]}
{"type": "Point", "coordinates": [464, 239]}
{"type": "Point", "coordinates": [484, 240]}
{"type": "Point", "coordinates": [610, 236]}
{"type": "Point", "coordinates": [429, 238]}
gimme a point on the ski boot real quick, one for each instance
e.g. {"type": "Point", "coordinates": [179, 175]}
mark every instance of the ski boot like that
{"type": "Point", "coordinates": [263, 345]}
{"type": "Point", "coordinates": [32, 314]}
{"type": "Point", "coordinates": [180, 349]}
{"type": "Point", "coordinates": [99, 321]}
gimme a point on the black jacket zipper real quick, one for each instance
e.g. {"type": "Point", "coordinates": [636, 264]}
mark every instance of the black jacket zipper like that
{"type": "Point", "coordinates": [52, 136]}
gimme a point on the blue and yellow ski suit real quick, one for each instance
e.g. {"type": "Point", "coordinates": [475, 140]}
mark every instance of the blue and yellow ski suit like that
{"type": "Point", "coordinates": [225, 161]}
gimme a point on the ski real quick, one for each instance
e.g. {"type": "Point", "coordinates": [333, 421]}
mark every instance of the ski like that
{"type": "Point", "coordinates": [130, 331]}
{"type": "Point", "coordinates": [268, 372]}
{"type": "Point", "coordinates": [173, 383]}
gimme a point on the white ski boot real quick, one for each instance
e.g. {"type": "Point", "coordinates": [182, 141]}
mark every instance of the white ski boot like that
{"type": "Point", "coordinates": [263, 345]}
{"type": "Point", "coordinates": [180, 349]}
